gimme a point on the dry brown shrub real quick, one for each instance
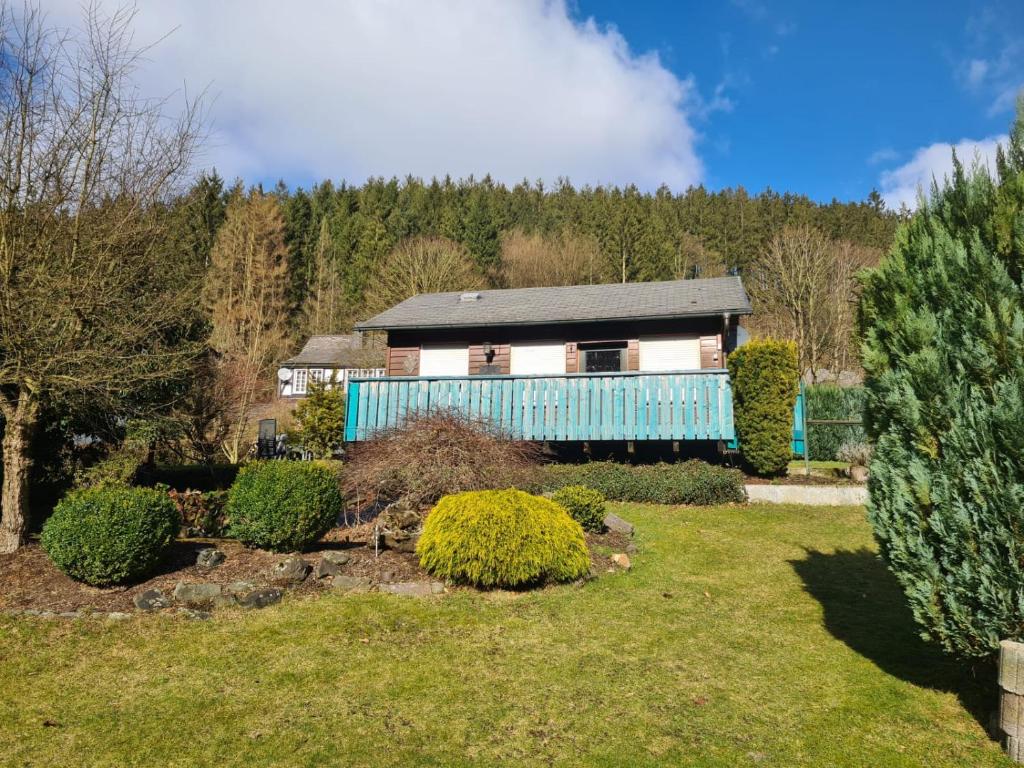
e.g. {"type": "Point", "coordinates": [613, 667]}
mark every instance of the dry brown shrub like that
{"type": "Point", "coordinates": [433, 455]}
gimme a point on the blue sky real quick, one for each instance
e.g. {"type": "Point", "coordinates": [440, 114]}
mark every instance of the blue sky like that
{"type": "Point", "coordinates": [822, 95]}
{"type": "Point", "coordinates": [829, 99]}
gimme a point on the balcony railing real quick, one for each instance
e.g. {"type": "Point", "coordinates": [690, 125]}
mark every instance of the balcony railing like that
{"type": "Point", "coordinates": [674, 405]}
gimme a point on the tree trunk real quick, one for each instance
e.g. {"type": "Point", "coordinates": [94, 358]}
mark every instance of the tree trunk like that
{"type": "Point", "coordinates": [14, 498]}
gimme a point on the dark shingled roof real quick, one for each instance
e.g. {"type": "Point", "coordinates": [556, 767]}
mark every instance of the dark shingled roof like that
{"type": "Point", "coordinates": [571, 304]}
{"type": "Point", "coordinates": [327, 351]}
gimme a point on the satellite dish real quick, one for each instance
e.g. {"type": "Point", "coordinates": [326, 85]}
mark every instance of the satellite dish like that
{"type": "Point", "coordinates": [284, 374]}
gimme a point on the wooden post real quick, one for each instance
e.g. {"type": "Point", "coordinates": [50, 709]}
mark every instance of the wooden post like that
{"type": "Point", "coordinates": [1011, 698]}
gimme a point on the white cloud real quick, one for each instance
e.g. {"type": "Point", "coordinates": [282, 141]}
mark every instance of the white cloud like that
{"type": "Point", "coordinates": [349, 89]}
{"type": "Point", "coordinates": [883, 155]}
{"type": "Point", "coordinates": [976, 69]}
{"type": "Point", "coordinates": [901, 185]}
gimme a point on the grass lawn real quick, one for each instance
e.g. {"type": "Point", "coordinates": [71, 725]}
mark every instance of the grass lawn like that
{"type": "Point", "coordinates": [743, 636]}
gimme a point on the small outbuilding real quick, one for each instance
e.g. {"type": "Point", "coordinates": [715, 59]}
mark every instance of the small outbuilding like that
{"type": "Point", "coordinates": [329, 359]}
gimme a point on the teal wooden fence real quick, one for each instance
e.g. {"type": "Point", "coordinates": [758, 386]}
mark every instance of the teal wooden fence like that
{"type": "Point", "coordinates": [680, 405]}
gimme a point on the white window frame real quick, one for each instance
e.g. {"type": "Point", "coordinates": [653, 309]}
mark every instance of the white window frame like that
{"type": "Point", "coordinates": [300, 381]}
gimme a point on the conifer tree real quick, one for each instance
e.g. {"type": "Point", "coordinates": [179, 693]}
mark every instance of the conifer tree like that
{"type": "Point", "coordinates": [942, 320]}
{"type": "Point", "coordinates": [247, 294]}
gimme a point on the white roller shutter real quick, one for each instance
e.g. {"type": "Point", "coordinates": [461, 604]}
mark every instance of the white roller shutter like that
{"type": "Point", "coordinates": [444, 360]}
{"type": "Point", "coordinates": [670, 353]}
{"type": "Point", "coordinates": [537, 358]}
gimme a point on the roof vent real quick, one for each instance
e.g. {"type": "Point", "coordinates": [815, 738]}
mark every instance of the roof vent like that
{"type": "Point", "coordinates": [475, 296]}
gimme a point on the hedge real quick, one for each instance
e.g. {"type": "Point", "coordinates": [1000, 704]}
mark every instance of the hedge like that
{"type": "Point", "coordinates": [690, 482]}
{"type": "Point", "coordinates": [827, 401]}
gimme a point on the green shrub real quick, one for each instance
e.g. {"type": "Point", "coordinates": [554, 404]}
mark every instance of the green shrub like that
{"type": "Point", "coordinates": [689, 482]}
{"type": "Point", "coordinates": [765, 381]}
{"type": "Point", "coordinates": [584, 505]}
{"type": "Point", "coordinates": [827, 401]}
{"type": "Point", "coordinates": [283, 506]}
{"type": "Point", "coordinates": [502, 539]}
{"type": "Point", "coordinates": [110, 535]}
{"type": "Point", "coordinates": [942, 318]}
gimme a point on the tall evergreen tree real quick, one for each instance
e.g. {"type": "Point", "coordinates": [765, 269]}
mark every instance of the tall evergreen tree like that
{"type": "Point", "coordinates": [943, 326]}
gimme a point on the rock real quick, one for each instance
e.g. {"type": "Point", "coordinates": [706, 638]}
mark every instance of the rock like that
{"type": "Point", "coordinates": [413, 588]}
{"type": "Point", "coordinates": [118, 616]}
{"type": "Point", "coordinates": [151, 600]}
{"type": "Point", "coordinates": [194, 615]}
{"type": "Point", "coordinates": [260, 598]}
{"type": "Point", "coordinates": [70, 615]}
{"type": "Point", "coordinates": [239, 587]}
{"type": "Point", "coordinates": [202, 594]}
{"type": "Point", "coordinates": [859, 474]}
{"type": "Point", "coordinates": [398, 527]}
{"type": "Point", "coordinates": [617, 524]}
{"type": "Point", "coordinates": [210, 557]}
{"type": "Point", "coordinates": [351, 583]}
{"type": "Point", "coordinates": [621, 559]}
{"type": "Point", "coordinates": [330, 564]}
{"type": "Point", "coordinates": [631, 548]}
{"type": "Point", "coordinates": [291, 570]}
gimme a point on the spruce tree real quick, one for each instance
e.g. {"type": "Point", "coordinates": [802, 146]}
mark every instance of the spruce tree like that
{"type": "Point", "coordinates": [942, 320]}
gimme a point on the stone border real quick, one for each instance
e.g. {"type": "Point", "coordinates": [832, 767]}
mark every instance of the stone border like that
{"type": "Point", "coordinates": [816, 495]}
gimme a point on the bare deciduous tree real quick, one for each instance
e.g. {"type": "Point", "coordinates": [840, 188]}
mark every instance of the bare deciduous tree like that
{"type": "Point", "coordinates": [246, 292]}
{"type": "Point", "coordinates": [87, 308]}
{"type": "Point", "coordinates": [532, 260]}
{"type": "Point", "coordinates": [804, 289]}
{"type": "Point", "coordinates": [420, 265]}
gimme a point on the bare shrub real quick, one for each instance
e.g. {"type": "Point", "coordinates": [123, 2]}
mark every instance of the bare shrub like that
{"type": "Point", "coordinates": [433, 455]}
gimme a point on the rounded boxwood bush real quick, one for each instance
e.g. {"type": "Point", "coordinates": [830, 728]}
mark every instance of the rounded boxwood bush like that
{"type": "Point", "coordinates": [283, 506]}
{"type": "Point", "coordinates": [584, 505]}
{"type": "Point", "coordinates": [502, 539]}
{"type": "Point", "coordinates": [110, 535]}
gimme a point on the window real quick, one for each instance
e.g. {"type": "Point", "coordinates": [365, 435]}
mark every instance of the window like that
{"type": "Point", "coordinates": [603, 357]}
{"type": "Point", "coordinates": [444, 360]}
{"type": "Point", "coordinates": [670, 353]}
{"type": "Point", "coordinates": [299, 380]}
{"type": "Point", "coordinates": [317, 375]}
{"type": "Point", "coordinates": [537, 358]}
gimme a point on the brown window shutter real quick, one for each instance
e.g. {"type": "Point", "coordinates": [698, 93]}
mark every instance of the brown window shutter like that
{"type": "Point", "coordinates": [633, 355]}
{"type": "Point", "coordinates": [711, 351]}
{"type": "Point", "coordinates": [403, 361]}
{"type": "Point", "coordinates": [572, 357]}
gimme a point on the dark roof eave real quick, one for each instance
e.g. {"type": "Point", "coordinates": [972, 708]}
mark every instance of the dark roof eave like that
{"type": "Point", "coordinates": [366, 326]}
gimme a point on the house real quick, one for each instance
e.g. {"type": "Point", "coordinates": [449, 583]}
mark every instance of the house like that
{"type": "Point", "coordinates": [630, 361]}
{"type": "Point", "coordinates": [328, 359]}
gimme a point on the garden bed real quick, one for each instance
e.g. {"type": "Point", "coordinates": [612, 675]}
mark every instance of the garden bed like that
{"type": "Point", "coordinates": [29, 581]}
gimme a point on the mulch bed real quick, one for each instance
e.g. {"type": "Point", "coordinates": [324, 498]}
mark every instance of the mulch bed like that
{"type": "Point", "coordinates": [29, 581]}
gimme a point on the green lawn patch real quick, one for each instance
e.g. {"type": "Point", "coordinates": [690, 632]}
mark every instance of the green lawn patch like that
{"type": "Point", "coordinates": [758, 635]}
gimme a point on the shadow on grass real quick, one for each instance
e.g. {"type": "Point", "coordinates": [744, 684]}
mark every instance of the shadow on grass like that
{"type": "Point", "coordinates": [866, 609]}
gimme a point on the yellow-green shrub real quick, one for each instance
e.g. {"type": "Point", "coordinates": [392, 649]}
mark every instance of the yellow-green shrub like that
{"type": "Point", "coordinates": [765, 380]}
{"type": "Point", "coordinates": [502, 539]}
